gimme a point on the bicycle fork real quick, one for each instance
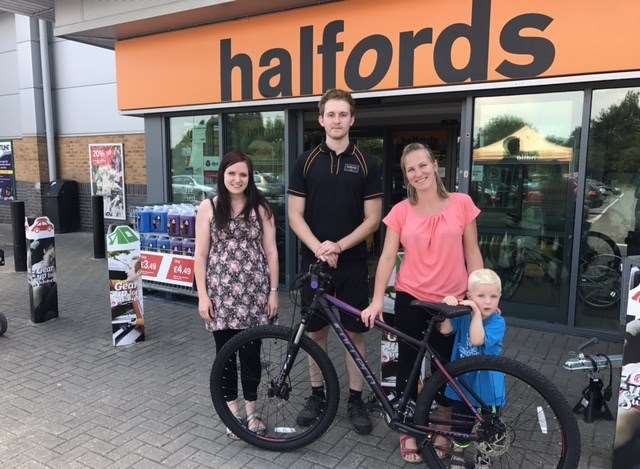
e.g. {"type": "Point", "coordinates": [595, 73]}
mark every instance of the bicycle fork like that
{"type": "Point", "coordinates": [279, 386]}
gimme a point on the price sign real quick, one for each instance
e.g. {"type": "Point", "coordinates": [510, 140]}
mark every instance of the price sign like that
{"type": "Point", "coordinates": [181, 270]}
{"type": "Point", "coordinates": [150, 264]}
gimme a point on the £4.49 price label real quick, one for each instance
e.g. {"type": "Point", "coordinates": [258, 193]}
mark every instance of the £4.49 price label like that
{"type": "Point", "coordinates": [181, 270]}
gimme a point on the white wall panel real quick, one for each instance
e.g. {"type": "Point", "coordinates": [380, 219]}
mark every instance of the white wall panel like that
{"type": "Point", "coordinates": [76, 64]}
{"type": "Point", "coordinates": [8, 73]}
{"type": "Point", "coordinates": [7, 32]}
{"type": "Point", "coordinates": [92, 110]}
{"type": "Point", "coordinates": [10, 116]}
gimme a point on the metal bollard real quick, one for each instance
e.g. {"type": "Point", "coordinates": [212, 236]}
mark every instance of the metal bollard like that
{"type": "Point", "coordinates": [97, 211]}
{"type": "Point", "coordinates": [19, 237]}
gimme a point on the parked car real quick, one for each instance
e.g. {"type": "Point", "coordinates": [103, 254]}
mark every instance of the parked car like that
{"type": "Point", "coordinates": [187, 189]}
{"type": "Point", "coordinates": [268, 184]}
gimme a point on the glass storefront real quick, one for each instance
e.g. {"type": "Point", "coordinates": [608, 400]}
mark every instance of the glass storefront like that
{"type": "Point", "coordinates": [195, 157]}
{"type": "Point", "coordinates": [261, 136]}
{"type": "Point", "coordinates": [611, 217]}
{"type": "Point", "coordinates": [524, 177]}
{"type": "Point", "coordinates": [525, 158]}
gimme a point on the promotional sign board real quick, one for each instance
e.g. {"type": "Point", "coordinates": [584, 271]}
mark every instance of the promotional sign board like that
{"type": "Point", "coordinates": [382, 48]}
{"type": "Point", "coordinates": [626, 446]}
{"type": "Point", "coordinates": [7, 176]}
{"type": "Point", "coordinates": [106, 163]}
{"type": "Point", "coordinates": [125, 285]}
{"type": "Point", "coordinates": [171, 269]}
{"type": "Point", "coordinates": [41, 270]}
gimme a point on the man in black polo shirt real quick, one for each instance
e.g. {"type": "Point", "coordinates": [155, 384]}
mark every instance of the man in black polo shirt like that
{"type": "Point", "coordinates": [335, 202]}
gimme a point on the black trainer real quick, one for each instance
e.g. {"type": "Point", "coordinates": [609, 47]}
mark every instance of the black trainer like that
{"type": "Point", "coordinates": [312, 409]}
{"type": "Point", "coordinates": [359, 417]}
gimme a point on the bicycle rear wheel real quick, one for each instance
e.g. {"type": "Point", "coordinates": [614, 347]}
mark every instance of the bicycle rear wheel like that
{"type": "Point", "coordinates": [278, 408]}
{"type": "Point", "coordinates": [533, 428]}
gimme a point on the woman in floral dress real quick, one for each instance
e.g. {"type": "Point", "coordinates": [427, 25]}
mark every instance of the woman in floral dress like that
{"type": "Point", "coordinates": [236, 270]}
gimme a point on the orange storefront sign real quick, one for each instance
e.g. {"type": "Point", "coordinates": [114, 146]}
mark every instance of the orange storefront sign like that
{"type": "Point", "coordinates": [377, 45]}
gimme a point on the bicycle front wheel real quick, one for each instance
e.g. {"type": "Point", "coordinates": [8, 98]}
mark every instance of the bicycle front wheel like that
{"type": "Point", "coordinates": [278, 407]}
{"type": "Point", "coordinates": [526, 423]}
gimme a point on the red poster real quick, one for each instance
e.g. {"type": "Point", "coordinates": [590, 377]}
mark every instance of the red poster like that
{"type": "Point", "coordinates": [150, 264]}
{"type": "Point", "coordinates": [181, 270]}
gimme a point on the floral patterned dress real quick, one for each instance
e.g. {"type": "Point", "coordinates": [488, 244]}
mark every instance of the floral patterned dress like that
{"type": "Point", "coordinates": [238, 275]}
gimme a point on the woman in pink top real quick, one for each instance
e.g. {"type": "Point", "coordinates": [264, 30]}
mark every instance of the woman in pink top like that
{"type": "Point", "coordinates": [438, 232]}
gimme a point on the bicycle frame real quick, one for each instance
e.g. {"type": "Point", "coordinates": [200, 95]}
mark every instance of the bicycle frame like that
{"type": "Point", "coordinates": [394, 418]}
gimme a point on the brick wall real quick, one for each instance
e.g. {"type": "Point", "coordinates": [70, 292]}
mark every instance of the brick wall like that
{"type": "Point", "coordinates": [73, 157]}
{"type": "Point", "coordinates": [32, 172]}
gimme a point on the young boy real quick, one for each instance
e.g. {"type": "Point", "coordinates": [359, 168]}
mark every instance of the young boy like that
{"type": "Point", "coordinates": [481, 333]}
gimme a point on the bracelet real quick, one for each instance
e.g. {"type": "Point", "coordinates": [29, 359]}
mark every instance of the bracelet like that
{"type": "Point", "coordinates": [338, 243]}
{"type": "Point", "coordinates": [274, 289]}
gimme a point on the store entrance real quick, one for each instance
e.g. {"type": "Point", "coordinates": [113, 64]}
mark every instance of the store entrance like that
{"type": "Point", "coordinates": [382, 133]}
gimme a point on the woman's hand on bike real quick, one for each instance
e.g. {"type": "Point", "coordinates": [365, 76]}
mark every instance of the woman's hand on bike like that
{"type": "Point", "coordinates": [272, 304]}
{"type": "Point", "coordinates": [371, 313]}
{"type": "Point", "coordinates": [205, 308]}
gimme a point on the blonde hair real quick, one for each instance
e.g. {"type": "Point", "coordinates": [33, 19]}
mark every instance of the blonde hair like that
{"type": "Point", "coordinates": [412, 195]}
{"type": "Point", "coordinates": [484, 277]}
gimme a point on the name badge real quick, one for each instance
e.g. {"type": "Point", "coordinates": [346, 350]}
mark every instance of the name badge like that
{"type": "Point", "coordinates": [352, 168]}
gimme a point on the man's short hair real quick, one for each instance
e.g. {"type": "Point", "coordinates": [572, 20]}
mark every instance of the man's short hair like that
{"type": "Point", "coordinates": [484, 277]}
{"type": "Point", "coordinates": [341, 95]}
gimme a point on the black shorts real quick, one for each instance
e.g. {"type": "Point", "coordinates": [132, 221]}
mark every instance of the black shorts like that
{"type": "Point", "coordinates": [351, 284]}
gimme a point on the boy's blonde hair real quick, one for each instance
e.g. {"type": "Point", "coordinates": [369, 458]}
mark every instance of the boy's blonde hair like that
{"type": "Point", "coordinates": [484, 277]}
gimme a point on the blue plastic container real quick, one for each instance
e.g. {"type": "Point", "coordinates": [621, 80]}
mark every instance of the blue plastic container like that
{"type": "Point", "coordinates": [159, 219]}
{"type": "Point", "coordinates": [176, 246]}
{"type": "Point", "coordinates": [150, 242]}
{"type": "Point", "coordinates": [188, 246]}
{"type": "Point", "coordinates": [143, 216]}
{"type": "Point", "coordinates": [164, 243]}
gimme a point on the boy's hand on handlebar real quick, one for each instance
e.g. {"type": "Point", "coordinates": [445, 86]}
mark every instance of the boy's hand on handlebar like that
{"type": "Point", "coordinates": [451, 300]}
{"type": "Point", "coordinates": [371, 313]}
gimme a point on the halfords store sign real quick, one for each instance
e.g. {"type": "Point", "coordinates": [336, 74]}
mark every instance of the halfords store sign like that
{"type": "Point", "coordinates": [366, 45]}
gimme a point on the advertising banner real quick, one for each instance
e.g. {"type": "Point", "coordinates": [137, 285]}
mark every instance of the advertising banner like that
{"type": "Point", "coordinates": [41, 270]}
{"type": "Point", "coordinates": [171, 269]}
{"type": "Point", "coordinates": [626, 448]}
{"type": "Point", "coordinates": [7, 176]}
{"type": "Point", "coordinates": [106, 162]}
{"type": "Point", "coordinates": [125, 285]}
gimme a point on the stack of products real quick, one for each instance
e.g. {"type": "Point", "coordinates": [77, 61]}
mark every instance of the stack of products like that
{"type": "Point", "coordinates": [167, 228]}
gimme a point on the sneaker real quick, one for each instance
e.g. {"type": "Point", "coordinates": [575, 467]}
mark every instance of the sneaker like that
{"type": "Point", "coordinates": [312, 409]}
{"type": "Point", "coordinates": [359, 417]}
{"type": "Point", "coordinates": [482, 462]}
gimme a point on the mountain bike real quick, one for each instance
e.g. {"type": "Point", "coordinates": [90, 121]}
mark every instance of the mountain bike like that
{"type": "Point", "coordinates": [533, 428]}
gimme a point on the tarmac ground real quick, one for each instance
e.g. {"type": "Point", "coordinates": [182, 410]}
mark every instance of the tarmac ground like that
{"type": "Point", "coordinates": [69, 399]}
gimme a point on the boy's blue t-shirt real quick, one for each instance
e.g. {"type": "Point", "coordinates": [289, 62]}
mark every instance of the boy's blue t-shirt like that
{"type": "Point", "coordinates": [489, 385]}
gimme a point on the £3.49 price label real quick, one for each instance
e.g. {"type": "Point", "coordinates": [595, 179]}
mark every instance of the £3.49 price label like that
{"type": "Point", "coordinates": [150, 264]}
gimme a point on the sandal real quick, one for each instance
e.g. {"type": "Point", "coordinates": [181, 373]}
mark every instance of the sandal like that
{"type": "Point", "coordinates": [255, 424]}
{"type": "Point", "coordinates": [410, 455]}
{"type": "Point", "coordinates": [457, 460]}
{"type": "Point", "coordinates": [229, 433]}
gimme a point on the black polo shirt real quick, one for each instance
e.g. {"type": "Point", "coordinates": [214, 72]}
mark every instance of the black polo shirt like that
{"type": "Point", "coordinates": [335, 188]}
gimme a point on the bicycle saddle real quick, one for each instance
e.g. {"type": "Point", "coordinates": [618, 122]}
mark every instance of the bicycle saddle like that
{"type": "Point", "coordinates": [441, 309]}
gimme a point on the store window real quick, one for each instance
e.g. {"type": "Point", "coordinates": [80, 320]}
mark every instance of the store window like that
{"type": "Point", "coordinates": [261, 136]}
{"type": "Point", "coordinates": [195, 157]}
{"type": "Point", "coordinates": [525, 153]}
{"type": "Point", "coordinates": [611, 220]}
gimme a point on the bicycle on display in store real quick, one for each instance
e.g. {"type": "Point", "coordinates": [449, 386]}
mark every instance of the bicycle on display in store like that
{"type": "Point", "coordinates": [535, 427]}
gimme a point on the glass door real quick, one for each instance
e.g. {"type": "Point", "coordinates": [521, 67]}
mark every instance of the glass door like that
{"type": "Point", "coordinates": [523, 178]}
{"type": "Point", "coordinates": [611, 218]}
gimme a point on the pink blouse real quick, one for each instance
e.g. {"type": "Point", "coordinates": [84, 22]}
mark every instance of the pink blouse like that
{"type": "Point", "coordinates": [434, 263]}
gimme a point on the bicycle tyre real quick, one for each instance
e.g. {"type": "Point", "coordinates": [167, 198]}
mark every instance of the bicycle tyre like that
{"type": "Point", "coordinates": [273, 441]}
{"type": "Point", "coordinates": [515, 372]}
{"type": "Point", "coordinates": [610, 243]}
